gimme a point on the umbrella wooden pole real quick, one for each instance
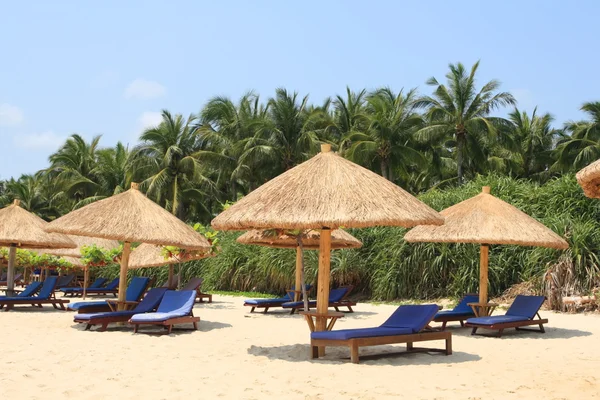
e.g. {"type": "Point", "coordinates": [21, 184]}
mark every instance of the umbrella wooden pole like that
{"type": "Point", "coordinates": [86, 279]}
{"type": "Point", "coordinates": [298, 287]}
{"type": "Point", "coordinates": [323, 282]}
{"type": "Point", "coordinates": [123, 275]}
{"type": "Point", "coordinates": [483, 273]}
{"type": "Point", "coordinates": [171, 273]}
{"type": "Point", "coordinates": [10, 276]}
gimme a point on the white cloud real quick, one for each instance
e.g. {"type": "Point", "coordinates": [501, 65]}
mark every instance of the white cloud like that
{"type": "Point", "coordinates": [10, 115]}
{"type": "Point", "coordinates": [149, 119]}
{"type": "Point", "coordinates": [145, 90]}
{"type": "Point", "coordinates": [524, 98]}
{"type": "Point", "coordinates": [45, 140]}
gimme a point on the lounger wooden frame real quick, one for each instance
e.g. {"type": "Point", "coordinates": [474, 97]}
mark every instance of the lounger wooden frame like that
{"type": "Point", "coordinates": [265, 305]}
{"type": "Point", "coordinates": [444, 319]}
{"type": "Point", "coordinates": [356, 343]}
{"type": "Point", "coordinates": [500, 327]}
{"type": "Point", "coordinates": [104, 322]}
{"type": "Point", "coordinates": [168, 323]}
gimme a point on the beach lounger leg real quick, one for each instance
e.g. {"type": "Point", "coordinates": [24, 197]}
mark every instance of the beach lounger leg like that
{"type": "Point", "coordinates": [314, 352]}
{"type": "Point", "coordinates": [87, 327]}
{"type": "Point", "coordinates": [252, 309]}
{"type": "Point", "coordinates": [170, 329]}
{"type": "Point", "coordinates": [354, 352]}
{"type": "Point", "coordinates": [443, 325]}
{"type": "Point", "coordinates": [135, 328]}
{"type": "Point", "coordinates": [449, 345]}
{"type": "Point", "coordinates": [195, 325]}
{"type": "Point", "coordinates": [474, 331]}
{"type": "Point", "coordinates": [350, 309]}
{"type": "Point", "coordinates": [500, 332]}
{"type": "Point", "coordinates": [336, 309]}
{"type": "Point", "coordinates": [409, 346]}
{"type": "Point", "coordinates": [462, 324]}
{"type": "Point", "coordinates": [266, 309]}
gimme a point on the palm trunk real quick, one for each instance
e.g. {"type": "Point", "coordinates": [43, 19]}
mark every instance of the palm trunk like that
{"type": "Point", "coordinates": [384, 168]}
{"type": "Point", "coordinates": [460, 143]}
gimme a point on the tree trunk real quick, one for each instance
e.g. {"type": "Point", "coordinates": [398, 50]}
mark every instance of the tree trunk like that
{"type": "Point", "coordinates": [384, 168]}
{"type": "Point", "coordinates": [460, 144]}
{"type": "Point", "coordinates": [390, 174]}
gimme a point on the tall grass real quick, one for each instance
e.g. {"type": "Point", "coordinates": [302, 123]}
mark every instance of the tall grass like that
{"type": "Point", "coordinates": [388, 268]}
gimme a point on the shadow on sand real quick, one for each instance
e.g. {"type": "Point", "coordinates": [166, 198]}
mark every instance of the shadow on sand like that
{"type": "Point", "coordinates": [387, 354]}
{"type": "Point", "coordinates": [513, 334]}
{"type": "Point", "coordinates": [203, 326]}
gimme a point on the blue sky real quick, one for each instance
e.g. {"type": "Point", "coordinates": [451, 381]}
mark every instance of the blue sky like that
{"type": "Point", "coordinates": [109, 67]}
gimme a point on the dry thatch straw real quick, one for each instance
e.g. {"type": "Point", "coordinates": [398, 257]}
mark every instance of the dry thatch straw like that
{"type": "Point", "coordinates": [129, 217]}
{"type": "Point", "coordinates": [149, 255]}
{"type": "Point", "coordinates": [485, 219]}
{"type": "Point", "coordinates": [326, 191]}
{"type": "Point", "coordinates": [340, 239]}
{"type": "Point", "coordinates": [20, 228]}
{"type": "Point", "coordinates": [81, 241]}
{"type": "Point", "coordinates": [589, 179]}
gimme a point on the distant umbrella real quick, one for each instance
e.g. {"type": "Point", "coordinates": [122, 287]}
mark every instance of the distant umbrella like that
{"type": "Point", "coordinates": [486, 220]}
{"type": "Point", "coordinates": [129, 217]}
{"type": "Point", "coordinates": [589, 179]}
{"type": "Point", "coordinates": [21, 229]}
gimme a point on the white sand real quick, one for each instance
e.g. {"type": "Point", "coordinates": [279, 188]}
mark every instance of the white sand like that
{"type": "Point", "coordinates": [238, 355]}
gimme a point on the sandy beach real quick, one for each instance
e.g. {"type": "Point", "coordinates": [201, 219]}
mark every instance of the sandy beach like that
{"type": "Point", "coordinates": [238, 355]}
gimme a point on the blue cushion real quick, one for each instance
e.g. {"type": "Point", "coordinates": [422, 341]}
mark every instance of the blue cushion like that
{"type": "Point", "coordinates": [174, 304]}
{"type": "Point", "coordinates": [47, 288]}
{"type": "Point", "coordinates": [463, 304]}
{"type": "Point", "coordinates": [82, 305]}
{"type": "Point", "coordinates": [496, 319]}
{"type": "Point", "coordinates": [415, 317]}
{"type": "Point", "coordinates": [28, 292]}
{"type": "Point", "coordinates": [114, 284]}
{"type": "Point", "coordinates": [95, 316]}
{"type": "Point", "coordinates": [258, 302]}
{"type": "Point", "coordinates": [95, 285]}
{"type": "Point", "coordinates": [338, 294]}
{"type": "Point", "coordinates": [345, 334]}
{"type": "Point", "coordinates": [136, 288]}
{"type": "Point", "coordinates": [526, 306]}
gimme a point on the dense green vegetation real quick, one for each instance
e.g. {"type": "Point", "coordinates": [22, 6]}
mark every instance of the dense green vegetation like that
{"type": "Point", "coordinates": [442, 146]}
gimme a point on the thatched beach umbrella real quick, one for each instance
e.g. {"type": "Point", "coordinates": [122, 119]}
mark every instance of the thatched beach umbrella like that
{"type": "Point", "coordinates": [309, 240]}
{"type": "Point", "coordinates": [22, 229]}
{"type": "Point", "coordinates": [589, 179]}
{"type": "Point", "coordinates": [150, 255]}
{"type": "Point", "coordinates": [485, 220]}
{"type": "Point", "coordinates": [75, 253]}
{"type": "Point", "coordinates": [325, 193]}
{"type": "Point", "coordinates": [129, 217]}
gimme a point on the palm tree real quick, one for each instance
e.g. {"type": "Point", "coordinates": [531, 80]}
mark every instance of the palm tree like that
{"type": "Point", "coordinates": [168, 160]}
{"type": "Point", "coordinates": [387, 139]}
{"type": "Point", "coordinates": [73, 163]}
{"type": "Point", "coordinates": [38, 194]}
{"type": "Point", "coordinates": [534, 138]}
{"type": "Point", "coordinates": [460, 111]}
{"type": "Point", "coordinates": [224, 129]}
{"type": "Point", "coordinates": [582, 145]}
{"type": "Point", "coordinates": [350, 114]}
{"type": "Point", "coordinates": [282, 140]}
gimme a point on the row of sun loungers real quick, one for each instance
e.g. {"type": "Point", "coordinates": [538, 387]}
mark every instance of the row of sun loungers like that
{"type": "Point", "coordinates": [337, 298]}
{"type": "Point", "coordinates": [172, 308]}
{"type": "Point", "coordinates": [411, 323]}
{"type": "Point", "coordinates": [28, 296]}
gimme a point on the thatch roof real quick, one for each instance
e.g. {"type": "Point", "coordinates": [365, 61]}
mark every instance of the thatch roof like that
{"type": "Point", "coordinates": [326, 191]}
{"type": "Point", "coordinates": [23, 229]}
{"type": "Point", "coordinates": [340, 239]}
{"type": "Point", "coordinates": [589, 179]}
{"type": "Point", "coordinates": [150, 255]}
{"type": "Point", "coordinates": [486, 219]}
{"type": "Point", "coordinates": [129, 217]}
{"type": "Point", "coordinates": [81, 241]}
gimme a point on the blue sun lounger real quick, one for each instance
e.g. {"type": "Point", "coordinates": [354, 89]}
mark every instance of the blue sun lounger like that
{"type": "Point", "coordinates": [460, 313]}
{"type": "Point", "coordinates": [45, 296]}
{"type": "Point", "coordinates": [522, 312]}
{"type": "Point", "coordinates": [408, 324]}
{"type": "Point", "coordinates": [337, 299]}
{"type": "Point", "coordinates": [148, 304]}
{"type": "Point", "coordinates": [269, 303]}
{"type": "Point", "coordinates": [176, 307]}
{"type": "Point", "coordinates": [78, 291]}
{"type": "Point", "coordinates": [134, 293]}
{"type": "Point", "coordinates": [111, 288]}
{"type": "Point", "coordinates": [29, 290]}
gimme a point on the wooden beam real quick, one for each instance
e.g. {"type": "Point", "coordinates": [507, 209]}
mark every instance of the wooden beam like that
{"type": "Point", "coordinates": [123, 275]}
{"type": "Point", "coordinates": [323, 281]}
{"type": "Point", "coordinates": [483, 273]}
{"type": "Point", "coordinates": [298, 287]}
{"type": "Point", "coordinates": [86, 279]}
{"type": "Point", "coordinates": [10, 276]}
